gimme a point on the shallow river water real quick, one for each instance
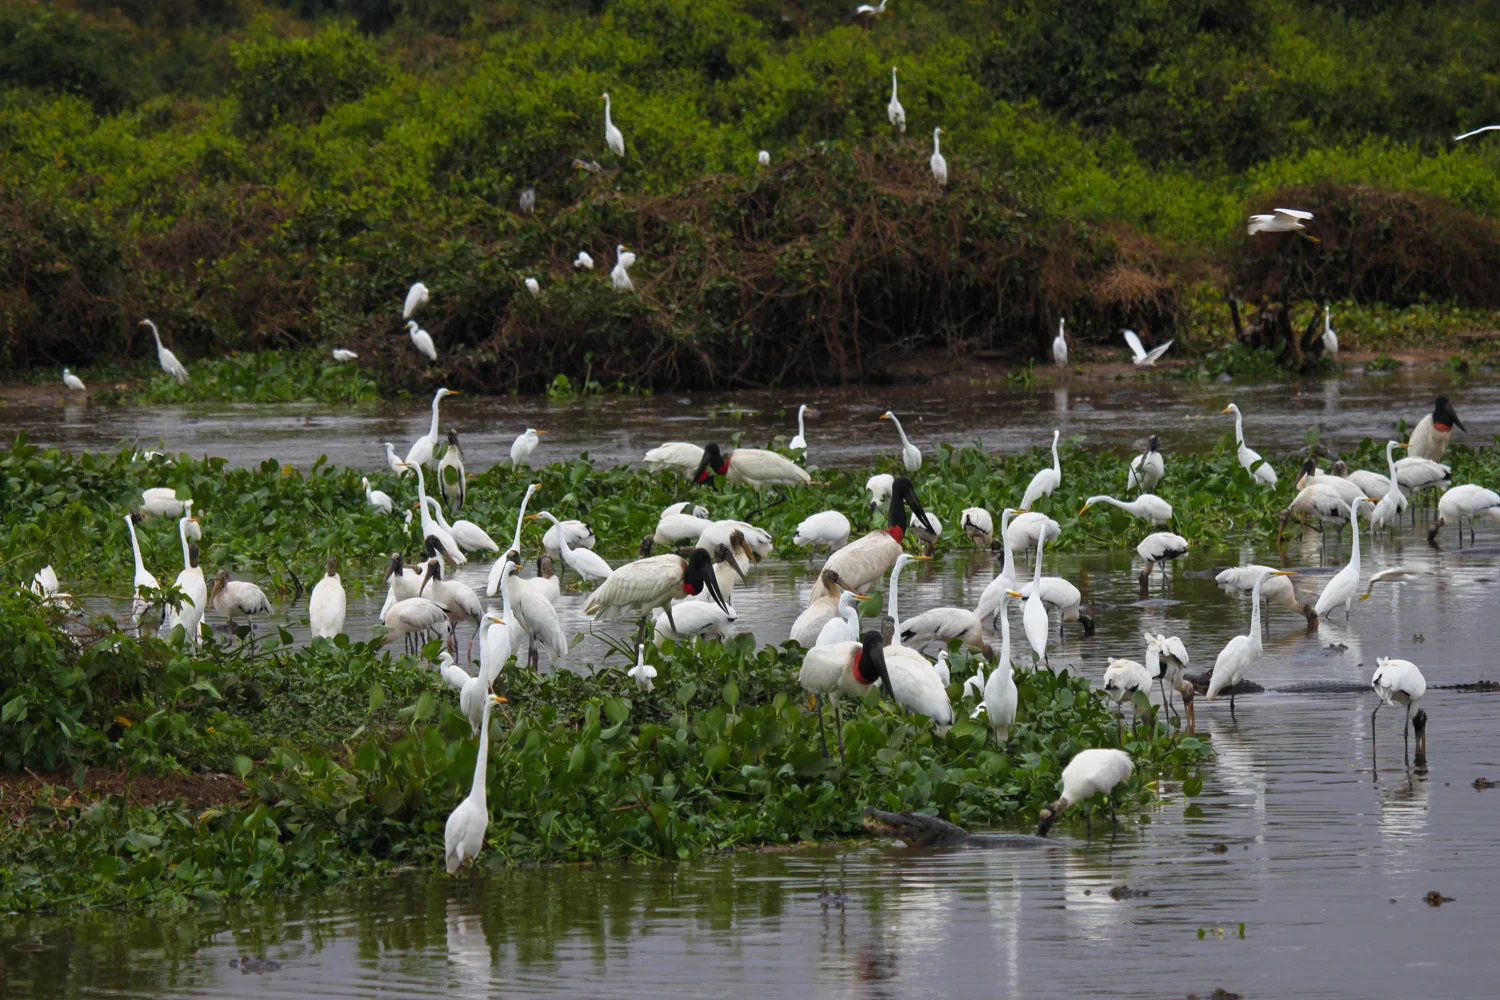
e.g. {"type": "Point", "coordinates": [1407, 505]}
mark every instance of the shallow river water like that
{"type": "Point", "coordinates": [1318, 841]}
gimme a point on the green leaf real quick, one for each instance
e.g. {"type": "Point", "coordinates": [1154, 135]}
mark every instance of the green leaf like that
{"type": "Point", "coordinates": [243, 765]}
{"type": "Point", "coordinates": [716, 757]}
{"type": "Point", "coordinates": [142, 841]}
{"type": "Point", "coordinates": [425, 707]}
{"type": "Point", "coordinates": [1193, 786]}
{"type": "Point", "coordinates": [685, 693]}
{"type": "Point", "coordinates": [377, 696]}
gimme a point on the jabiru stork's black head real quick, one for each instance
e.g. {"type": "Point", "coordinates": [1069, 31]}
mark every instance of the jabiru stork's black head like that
{"type": "Point", "coordinates": [712, 459]}
{"type": "Point", "coordinates": [904, 494]}
{"type": "Point", "coordinates": [1443, 416]}
{"type": "Point", "coordinates": [870, 667]}
{"type": "Point", "coordinates": [699, 574]}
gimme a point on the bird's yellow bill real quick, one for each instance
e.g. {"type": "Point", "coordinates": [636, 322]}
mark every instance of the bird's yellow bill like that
{"type": "Point", "coordinates": [922, 558]}
{"type": "Point", "coordinates": [1084, 508]}
{"type": "Point", "coordinates": [1024, 510]}
{"type": "Point", "coordinates": [1372, 499]}
{"type": "Point", "coordinates": [541, 432]}
{"type": "Point", "coordinates": [532, 517]}
{"type": "Point", "coordinates": [1365, 596]}
{"type": "Point", "coordinates": [1014, 593]}
{"type": "Point", "coordinates": [1406, 445]}
{"type": "Point", "coordinates": [862, 597]}
{"type": "Point", "coordinates": [1225, 410]}
{"type": "Point", "coordinates": [885, 416]}
{"type": "Point", "coordinates": [1284, 572]}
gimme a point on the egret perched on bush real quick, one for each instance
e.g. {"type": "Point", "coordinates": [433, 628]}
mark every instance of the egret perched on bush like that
{"type": "Point", "coordinates": [763, 158]}
{"type": "Point", "coordinates": [939, 165]}
{"type": "Point", "coordinates": [620, 276]}
{"type": "Point", "coordinates": [416, 298]}
{"type": "Point", "coordinates": [894, 111]}
{"type": "Point", "coordinates": [583, 261]}
{"type": "Point", "coordinates": [143, 578]}
{"type": "Point", "coordinates": [533, 287]}
{"type": "Point", "coordinates": [613, 137]}
{"type": "Point", "coordinates": [166, 358]}
{"type": "Point", "coordinates": [340, 355]}
{"type": "Point", "coordinates": [422, 340]}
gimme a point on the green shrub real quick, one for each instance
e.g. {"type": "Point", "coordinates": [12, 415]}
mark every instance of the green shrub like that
{"type": "Point", "coordinates": [289, 80]}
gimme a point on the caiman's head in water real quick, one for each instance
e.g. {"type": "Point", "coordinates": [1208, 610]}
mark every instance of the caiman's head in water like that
{"type": "Point", "coordinates": [914, 829]}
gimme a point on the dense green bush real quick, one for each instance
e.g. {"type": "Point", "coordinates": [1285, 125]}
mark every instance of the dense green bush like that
{"type": "Point", "coordinates": [291, 80]}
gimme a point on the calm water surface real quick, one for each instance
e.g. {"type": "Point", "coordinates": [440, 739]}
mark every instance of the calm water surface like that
{"type": "Point", "coordinates": [1331, 844]}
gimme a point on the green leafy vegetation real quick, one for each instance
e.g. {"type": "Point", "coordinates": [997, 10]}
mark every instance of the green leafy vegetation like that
{"type": "Point", "coordinates": [261, 176]}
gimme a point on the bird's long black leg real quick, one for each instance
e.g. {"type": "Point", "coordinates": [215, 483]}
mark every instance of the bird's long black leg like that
{"type": "Point", "coordinates": [838, 730]}
{"type": "Point", "coordinates": [822, 733]}
{"type": "Point", "coordinates": [1231, 705]}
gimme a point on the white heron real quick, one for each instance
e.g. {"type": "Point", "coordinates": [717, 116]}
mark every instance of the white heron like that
{"type": "Point", "coordinates": [911, 455]}
{"type": "Point", "coordinates": [159, 501]}
{"type": "Point", "coordinates": [1430, 438]}
{"type": "Point", "coordinates": [914, 684]}
{"type": "Point", "coordinates": [613, 137]}
{"type": "Point", "coordinates": [433, 533]}
{"type": "Point", "coordinates": [865, 8]}
{"type": "Point", "coordinates": [1060, 344]}
{"type": "Point", "coordinates": [894, 111]}
{"type": "Point", "coordinates": [73, 381]}
{"type": "Point", "coordinates": [620, 276]}
{"type": "Point", "coordinates": [763, 158]}
{"type": "Point", "coordinates": [341, 355]}
{"type": "Point", "coordinates": [799, 443]}
{"type": "Point", "coordinates": [492, 584]}
{"type": "Point", "coordinates": [1482, 128]}
{"type": "Point", "coordinates": [536, 616]}
{"type": "Point", "coordinates": [584, 262]}
{"type": "Point", "coordinates": [756, 468]}
{"type": "Point", "coordinates": [416, 298]}
{"type": "Point", "coordinates": [822, 609]}
{"type": "Point", "coordinates": [1044, 482]}
{"type": "Point", "coordinates": [879, 487]}
{"type": "Point", "coordinates": [1148, 507]}
{"type": "Point", "coordinates": [1280, 220]}
{"type": "Point", "coordinates": [844, 626]}
{"type": "Point", "coordinates": [1034, 614]}
{"type": "Point", "coordinates": [1243, 650]}
{"type": "Point", "coordinates": [1274, 589]}
{"type": "Point", "coordinates": [1465, 503]}
{"type": "Point", "coordinates": [939, 164]}
{"type": "Point", "coordinates": [1399, 682]}
{"type": "Point", "coordinates": [1089, 773]}
{"type": "Point", "coordinates": [993, 597]}
{"type": "Point", "coordinates": [326, 606]}
{"type": "Point", "coordinates": [978, 525]}
{"type": "Point", "coordinates": [421, 449]}
{"type": "Point", "coordinates": [232, 598]}
{"type": "Point", "coordinates": [452, 482]}
{"type": "Point", "coordinates": [463, 835]}
{"type": "Point", "coordinates": [397, 466]}
{"type": "Point", "coordinates": [642, 673]}
{"type": "Point", "coordinates": [1330, 339]}
{"type": "Point", "coordinates": [585, 562]}
{"type": "Point", "coordinates": [523, 446]}
{"type": "Point", "coordinates": [862, 562]}
{"type": "Point", "coordinates": [192, 584]}
{"type": "Point", "coordinates": [533, 286]}
{"type": "Point", "coordinates": [1340, 591]}
{"type": "Point", "coordinates": [826, 529]}
{"type": "Point", "coordinates": [166, 358]}
{"type": "Point", "coordinates": [1141, 356]}
{"type": "Point", "coordinates": [1159, 547]}
{"type": "Point", "coordinates": [421, 340]}
{"type": "Point", "coordinates": [1249, 458]}
{"type": "Point", "coordinates": [469, 536]}
{"type": "Point", "coordinates": [143, 579]}
{"type": "Point", "coordinates": [1395, 574]}
{"type": "Point", "coordinates": [1001, 699]}
{"type": "Point", "coordinates": [1147, 468]}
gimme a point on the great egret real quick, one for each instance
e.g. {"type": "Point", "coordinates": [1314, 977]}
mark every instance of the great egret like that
{"type": "Point", "coordinates": [654, 582]}
{"type": "Point", "coordinates": [492, 585]}
{"type": "Point", "coordinates": [342, 355]}
{"type": "Point", "coordinates": [1482, 128]}
{"type": "Point", "coordinates": [1399, 682]}
{"type": "Point", "coordinates": [799, 443]}
{"type": "Point", "coordinates": [395, 464]}
{"type": "Point", "coordinates": [73, 382]}
{"type": "Point", "coordinates": [1034, 614]}
{"type": "Point", "coordinates": [763, 158]}
{"type": "Point", "coordinates": [1243, 650]}
{"type": "Point", "coordinates": [192, 584]}
{"type": "Point", "coordinates": [620, 276]}
{"type": "Point", "coordinates": [993, 597]}
{"type": "Point", "coordinates": [1430, 438]}
{"type": "Point", "coordinates": [1275, 589]}
{"type": "Point", "coordinates": [527, 201]}
{"type": "Point", "coordinates": [522, 447]}
{"type": "Point", "coordinates": [822, 609]}
{"type": "Point", "coordinates": [583, 261]}
{"type": "Point", "coordinates": [1159, 547]}
{"type": "Point", "coordinates": [1147, 468]}
{"type": "Point", "coordinates": [642, 673]}
{"type": "Point", "coordinates": [1330, 339]}
{"type": "Point", "coordinates": [421, 340]}
{"type": "Point", "coordinates": [232, 598]}
{"type": "Point", "coordinates": [452, 483]}
{"type": "Point", "coordinates": [1148, 507]}
{"type": "Point", "coordinates": [681, 457]}
{"type": "Point", "coordinates": [894, 111]}
{"type": "Point", "coordinates": [1044, 482]}
{"type": "Point", "coordinates": [469, 536]}
{"type": "Point", "coordinates": [1001, 699]}
{"type": "Point", "coordinates": [433, 533]}
{"type": "Point", "coordinates": [326, 607]}
{"type": "Point", "coordinates": [143, 578]}
{"type": "Point", "coordinates": [1089, 773]}
{"type": "Point", "coordinates": [752, 467]}
{"type": "Point", "coordinates": [843, 668]}
{"type": "Point", "coordinates": [613, 137]}
{"type": "Point", "coordinates": [827, 529]}
{"type": "Point", "coordinates": [978, 525]}
{"type": "Point", "coordinates": [421, 449]}
{"type": "Point", "coordinates": [166, 358]}
{"type": "Point", "coordinates": [1466, 502]}
{"type": "Point", "coordinates": [585, 562]}
{"type": "Point", "coordinates": [579, 536]}
{"type": "Point", "coordinates": [913, 683]}
{"type": "Point", "coordinates": [1249, 458]}
{"type": "Point", "coordinates": [536, 616]}
{"type": "Point", "coordinates": [1281, 220]}
{"type": "Point", "coordinates": [1372, 484]}
{"type": "Point", "coordinates": [939, 165]}
{"type": "Point", "coordinates": [862, 562]}
{"type": "Point", "coordinates": [911, 455]}
{"type": "Point", "coordinates": [533, 286]}
{"type": "Point", "coordinates": [1395, 574]}
{"type": "Point", "coordinates": [843, 627]}
{"type": "Point", "coordinates": [1141, 355]}
{"type": "Point", "coordinates": [1060, 344]}
{"type": "Point", "coordinates": [463, 835]}
{"type": "Point", "coordinates": [865, 8]}
{"type": "Point", "coordinates": [416, 298]}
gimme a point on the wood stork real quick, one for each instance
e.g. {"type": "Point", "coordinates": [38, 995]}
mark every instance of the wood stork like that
{"type": "Point", "coordinates": [1148, 507]}
{"type": "Point", "coordinates": [1260, 470]}
{"type": "Point", "coordinates": [911, 455]}
{"type": "Point", "coordinates": [456, 597]}
{"type": "Point", "coordinates": [1318, 500]}
{"type": "Point", "coordinates": [1147, 468]}
{"type": "Point", "coordinates": [943, 625]}
{"type": "Point", "coordinates": [674, 529]}
{"type": "Point", "coordinates": [1243, 650]}
{"type": "Point", "coordinates": [752, 467]}
{"type": "Point", "coordinates": [415, 617]}
{"type": "Point", "coordinates": [927, 532]}
{"type": "Point", "coordinates": [654, 582]}
{"type": "Point", "coordinates": [1159, 547]}
{"type": "Point", "coordinates": [451, 482]}
{"type": "Point", "coordinates": [378, 499]}
{"type": "Point", "coordinates": [1028, 526]}
{"type": "Point", "coordinates": [843, 668]}
{"type": "Point", "coordinates": [681, 457]}
{"type": "Point", "coordinates": [232, 598]}
{"type": "Point", "coordinates": [578, 533]}
{"type": "Point", "coordinates": [166, 358]}
{"type": "Point", "coordinates": [1044, 482]}
{"type": "Point", "coordinates": [1430, 438]}
{"type": "Point", "coordinates": [826, 529]}
{"type": "Point", "coordinates": [326, 606]}
{"type": "Point", "coordinates": [879, 487]}
{"type": "Point", "coordinates": [420, 452]}
{"type": "Point", "coordinates": [894, 111]}
{"type": "Point", "coordinates": [1122, 678]}
{"type": "Point", "coordinates": [1089, 773]}
{"type": "Point", "coordinates": [1399, 682]}
{"type": "Point", "coordinates": [463, 834]}
{"type": "Point", "coordinates": [1467, 502]}
{"type": "Point", "coordinates": [1167, 658]}
{"type": "Point", "coordinates": [694, 619]}
{"type": "Point", "coordinates": [978, 525]}
{"type": "Point", "coordinates": [862, 562]}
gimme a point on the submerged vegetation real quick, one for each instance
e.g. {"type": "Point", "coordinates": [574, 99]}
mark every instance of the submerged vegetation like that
{"type": "Point", "coordinates": [258, 175]}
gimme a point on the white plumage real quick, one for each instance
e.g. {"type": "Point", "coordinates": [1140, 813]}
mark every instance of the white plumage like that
{"type": "Point", "coordinates": [523, 446]}
{"type": "Point", "coordinates": [1060, 344]}
{"type": "Point", "coordinates": [536, 615]}
{"type": "Point", "coordinates": [879, 486]}
{"type": "Point", "coordinates": [1330, 339]}
{"type": "Point", "coordinates": [1141, 356]}
{"type": "Point", "coordinates": [1028, 527]}
{"type": "Point", "coordinates": [613, 137]}
{"type": "Point", "coordinates": [73, 381]}
{"type": "Point", "coordinates": [421, 340]}
{"type": "Point", "coordinates": [1275, 589]}
{"type": "Point", "coordinates": [642, 673]}
{"type": "Point", "coordinates": [994, 595]}
{"type": "Point", "coordinates": [681, 507]}
{"type": "Point", "coordinates": [1034, 614]}
{"type": "Point", "coordinates": [533, 286]}
{"type": "Point", "coordinates": [1147, 468]}
{"type": "Point", "coordinates": [681, 457]}
{"type": "Point", "coordinates": [894, 111]}
{"type": "Point", "coordinates": [844, 626]}
{"type": "Point", "coordinates": [1467, 502]}
{"type": "Point", "coordinates": [416, 298]}
{"type": "Point", "coordinates": [822, 609]}
{"type": "Point", "coordinates": [578, 534]}
{"type": "Point", "coordinates": [939, 164]}
{"type": "Point", "coordinates": [160, 501]}
{"type": "Point", "coordinates": [1341, 589]}
{"type": "Point", "coordinates": [585, 562]}
{"type": "Point", "coordinates": [233, 598]}
{"type": "Point", "coordinates": [421, 449]}
{"type": "Point", "coordinates": [673, 529]}
{"type": "Point", "coordinates": [763, 158]}
{"type": "Point", "coordinates": [1122, 678]}
{"type": "Point", "coordinates": [166, 358]}
{"type": "Point", "coordinates": [463, 835]}
{"type": "Point", "coordinates": [143, 578]}
{"type": "Point", "coordinates": [1044, 482]}
{"type": "Point", "coordinates": [1001, 699]}
{"type": "Point", "coordinates": [456, 597]}
{"type": "Point", "coordinates": [653, 582]}
{"type": "Point", "coordinates": [448, 546]}
{"type": "Point", "coordinates": [826, 529]}
{"type": "Point", "coordinates": [1399, 682]}
{"type": "Point", "coordinates": [583, 261]}
{"type": "Point", "coordinates": [1249, 458]}
{"type": "Point", "coordinates": [1148, 507]}
{"type": "Point", "coordinates": [978, 525]}
{"type": "Point", "coordinates": [620, 276]}
{"type": "Point", "coordinates": [192, 584]}
{"type": "Point", "coordinates": [693, 618]}
{"type": "Point", "coordinates": [799, 443]}
{"type": "Point", "coordinates": [1430, 437]}
{"type": "Point", "coordinates": [1280, 220]}
{"type": "Point", "coordinates": [862, 562]}
{"type": "Point", "coordinates": [1243, 650]}
{"type": "Point", "coordinates": [327, 605]}
{"type": "Point", "coordinates": [378, 499]}
{"type": "Point", "coordinates": [1160, 547]}
{"type": "Point", "coordinates": [1089, 773]}
{"type": "Point", "coordinates": [943, 625]}
{"type": "Point", "coordinates": [913, 682]}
